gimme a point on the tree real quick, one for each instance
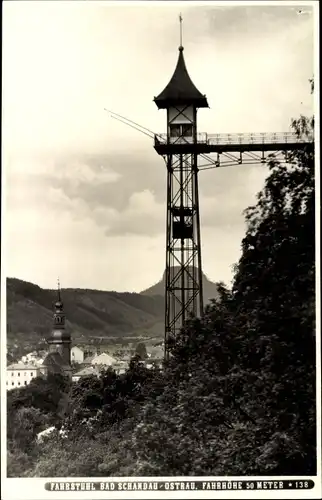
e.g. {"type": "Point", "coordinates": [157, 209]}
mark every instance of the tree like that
{"type": "Point", "coordinates": [245, 373]}
{"type": "Point", "coordinates": [48, 395]}
{"type": "Point", "coordinates": [274, 296]}
{"type": "Point", "coordinates": [24, 426]}
{"type": "Point", "coordinates": [141, 351]}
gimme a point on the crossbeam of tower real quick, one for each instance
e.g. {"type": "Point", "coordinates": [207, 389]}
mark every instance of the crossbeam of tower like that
{"type": "Point", "coordinates": [234, 149]}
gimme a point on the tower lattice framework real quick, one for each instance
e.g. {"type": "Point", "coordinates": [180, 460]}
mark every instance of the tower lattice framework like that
{"type": "Point", "coordinates": [183, 275]}
{"type": "Point", "coordinates": [186, 152]}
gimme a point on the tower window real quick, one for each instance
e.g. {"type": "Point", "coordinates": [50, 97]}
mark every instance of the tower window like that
{"type": "Point", "coordinates": [12, 383]}
{"type": "Point", "coordinates": [18, 383]}
{"type": "Point", "coordinates": [175, 130]}
{"type": "Point", "coordinates": [187, 130]}
{"type": "Point", "coordinates": [184, 130]}
{"type": "Point", "coordinates": [18, 374]}
{"type": "Point", "coordinates": [25, 382]}
{"type": "Point", "coordinates": [32, 373]}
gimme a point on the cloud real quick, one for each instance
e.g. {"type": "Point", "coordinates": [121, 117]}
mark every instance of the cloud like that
{"type": "Point", "coordinates": [107, 198]}
{"type": "Point", "coordinates": [142, 216]}
{"type": "Point", "coordinates": [82, 186]}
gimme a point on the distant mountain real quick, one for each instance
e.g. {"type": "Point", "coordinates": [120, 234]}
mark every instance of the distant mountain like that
{"type": "Point", "coordinates": [210, 290]}
{"type": "Point", "coordinates": [89, 313]}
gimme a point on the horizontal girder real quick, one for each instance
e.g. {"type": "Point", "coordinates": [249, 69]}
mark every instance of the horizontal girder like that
{"type": "Point", "coordinates": [221, 143]}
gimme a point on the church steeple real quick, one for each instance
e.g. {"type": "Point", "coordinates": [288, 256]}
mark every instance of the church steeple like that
{"type": "Point", "coordinates": [60, 339]}
{"type": "Point", "coordinates": [59, 315]}
{"type": "Point", "coordinates": [58, 290]}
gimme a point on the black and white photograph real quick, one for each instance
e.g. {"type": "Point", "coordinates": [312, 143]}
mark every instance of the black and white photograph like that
{"type": "Point", "coordinates": [160, 257]}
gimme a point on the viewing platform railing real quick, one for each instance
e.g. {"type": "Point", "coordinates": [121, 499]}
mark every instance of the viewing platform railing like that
{"type": "Point", "coordinates": [235, 139]}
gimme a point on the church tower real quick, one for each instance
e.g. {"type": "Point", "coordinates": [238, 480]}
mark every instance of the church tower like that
{"type": "Point", "coordinates": [60, 340]}
{"type": "Point", "coordinates": [58, 359]}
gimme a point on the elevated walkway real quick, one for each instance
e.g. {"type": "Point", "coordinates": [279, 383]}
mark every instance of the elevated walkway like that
{"type": "Point", "coordinates": [223, 143]}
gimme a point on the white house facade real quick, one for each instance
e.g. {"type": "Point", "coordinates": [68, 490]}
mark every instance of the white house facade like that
{"type": "Point", "coordinates": [76, 354]}
{"type": "Point", "coordinates": [20, 375]}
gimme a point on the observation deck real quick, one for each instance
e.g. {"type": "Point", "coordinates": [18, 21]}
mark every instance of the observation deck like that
{"type": "Point", "coordinates": [221, 143]}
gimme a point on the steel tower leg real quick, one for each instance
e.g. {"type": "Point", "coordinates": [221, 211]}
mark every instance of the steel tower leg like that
{"type": "Point", "coordinates": [183, 277]}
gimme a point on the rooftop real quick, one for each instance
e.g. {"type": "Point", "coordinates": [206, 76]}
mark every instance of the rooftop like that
{"type": "Point", "coordinates": [88, 370]}
{"type": "Point", "coordinates": [181, 89]}
{"type": "Point", "coordinates": [21, 366]}
{"type": "Point", "coordinates": [89, 359]}
{"type": "Point", "coordinates": [103, 358]}
{"type": "Point", "coordinates": [54, 359]}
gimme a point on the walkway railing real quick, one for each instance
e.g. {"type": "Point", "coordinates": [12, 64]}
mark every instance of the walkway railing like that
{"type": "Point", "coordinates": [226, 139]}
{"type": "Point", "coordinates": [258, 138]}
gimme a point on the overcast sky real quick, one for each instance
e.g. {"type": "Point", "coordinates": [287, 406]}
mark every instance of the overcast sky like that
{"type": "Point", "coordinates": [85, 195]}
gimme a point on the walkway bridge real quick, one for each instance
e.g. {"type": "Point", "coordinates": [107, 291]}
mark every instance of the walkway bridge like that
{"type": "Point", "coordinates": [233, 149]}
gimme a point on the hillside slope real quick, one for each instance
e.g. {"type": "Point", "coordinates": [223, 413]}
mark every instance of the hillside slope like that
{"type": "Point", "coordinates": [88, 312]}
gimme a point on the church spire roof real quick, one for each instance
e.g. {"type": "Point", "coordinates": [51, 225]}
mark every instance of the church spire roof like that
{"type": "Point", "coordinates": [59, 301]}
{"type": "Point", "coordinates": [59, 333]}
{"type": "Point", "coordinates": [181, 89]}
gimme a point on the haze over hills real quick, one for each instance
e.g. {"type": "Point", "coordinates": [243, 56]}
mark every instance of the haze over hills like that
{"type": "Point", "coordinates": [89, 313]}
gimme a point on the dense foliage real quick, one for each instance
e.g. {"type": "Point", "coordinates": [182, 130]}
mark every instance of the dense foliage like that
{"type": "Point", "coordinates": [238, 394]}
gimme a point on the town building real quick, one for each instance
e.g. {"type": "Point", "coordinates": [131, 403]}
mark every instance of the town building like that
{"type": "Point", "coordinates": [100, 359]}
{"type": "Point", "coordinates": [120, 367]}
{"type": "Point", "coordinates": [20, 375]}
{"type": "Point", "coordinates": [86, 372]}
{"type": "Point", "coordinates": [77, 354]}
{"type": "Point", "coordinates": [32, 358]}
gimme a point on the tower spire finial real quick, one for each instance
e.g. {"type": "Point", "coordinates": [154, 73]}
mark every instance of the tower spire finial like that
{"type": "Point", "coordinates": [58, 289]}
{"type": "Point", "coordinates": [180, 20]}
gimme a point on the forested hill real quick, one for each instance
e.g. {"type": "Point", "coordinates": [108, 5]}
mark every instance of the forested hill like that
{"type": "Point", "coordinates": [88, 312]}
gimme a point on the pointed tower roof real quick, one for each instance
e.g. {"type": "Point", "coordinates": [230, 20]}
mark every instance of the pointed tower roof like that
{"type": "Point", "coordinates": [59, 334]}
{"type": "Point", "coordinates": [181, 89]}
{"type": "Point", "coordinates": [59, 303]}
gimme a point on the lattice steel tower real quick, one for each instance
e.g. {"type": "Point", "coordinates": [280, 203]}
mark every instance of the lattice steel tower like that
{"type": "Point", "coordinates": [182, 148]}
{"type": "Point", "coordinates": [183, 275]}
